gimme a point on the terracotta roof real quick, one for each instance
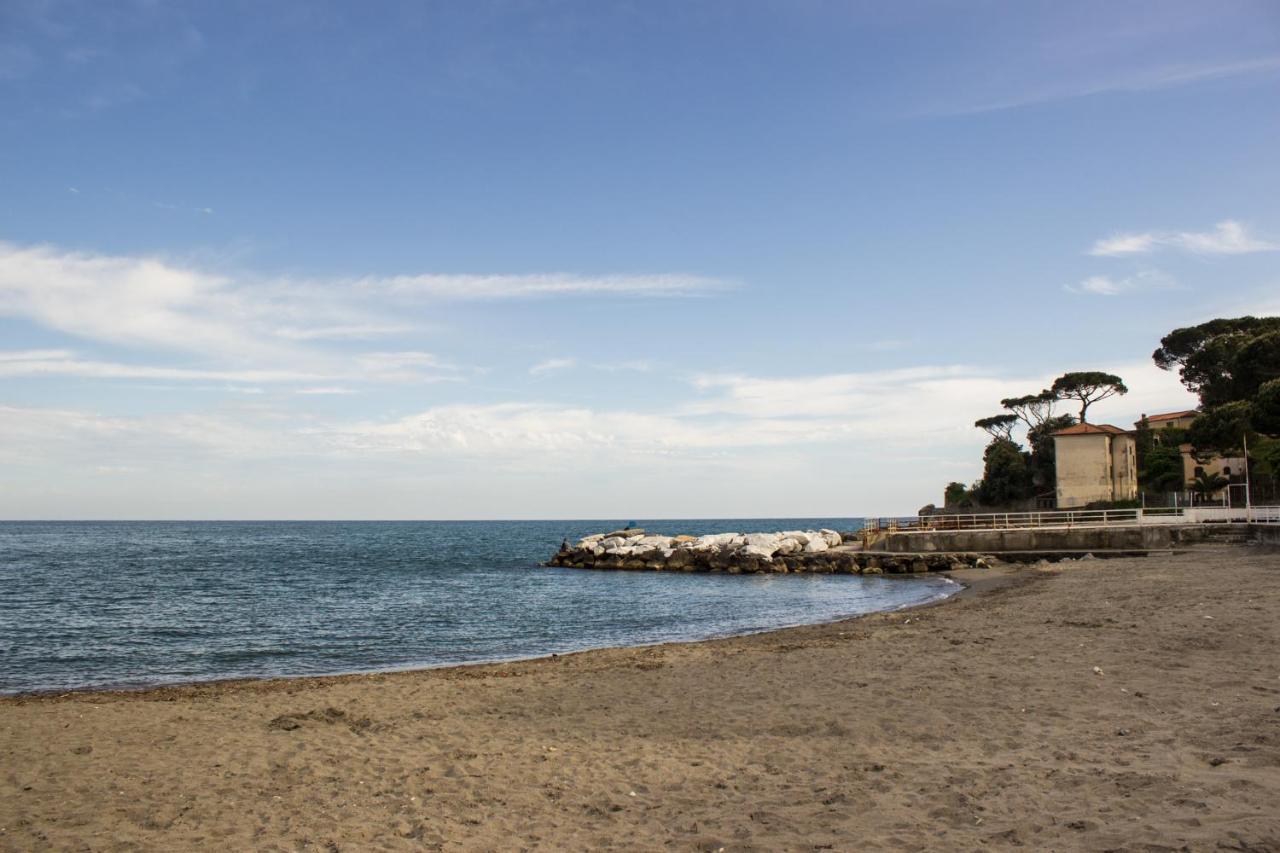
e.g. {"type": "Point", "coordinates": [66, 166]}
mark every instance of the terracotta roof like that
{"type": "Point", "coordinates": [1092, 429]}
{"type": "Point", "coordinates": [1172, 416]}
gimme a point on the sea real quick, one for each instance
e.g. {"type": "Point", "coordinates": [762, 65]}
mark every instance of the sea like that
{"type": "Point", "coordinates": [93, 605]}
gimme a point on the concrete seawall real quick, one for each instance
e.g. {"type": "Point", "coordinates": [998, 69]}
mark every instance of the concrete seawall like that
{"type": "Point", "coordinates": [1136, 537]}
{"type": "Point", "coordinates": [1266, 534]}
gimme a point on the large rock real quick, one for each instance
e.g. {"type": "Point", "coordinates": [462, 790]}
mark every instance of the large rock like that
{"type": "Point", "coordinates": [764, 552]}
{"type": "Point", "coordinates": [655, 541]}
{"type": "Point", "coordinates": [816, 545]}
{"type": "Point", "coordinates": [716, 540]}
{"type": "Point", "coordinates": [790, 545]}
{"type": "Point", "coordinates": [763, 540]}
{"type": "Point", "coordinates": [611, 542]}
{"type": "Point", "coordinates": [627, 534]}
{"type": "Point", "coordinates": [832, 537]}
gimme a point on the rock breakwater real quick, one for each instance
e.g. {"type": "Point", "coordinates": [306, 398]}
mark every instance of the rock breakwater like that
{"type": "Point", "coordinates": [812, 551]}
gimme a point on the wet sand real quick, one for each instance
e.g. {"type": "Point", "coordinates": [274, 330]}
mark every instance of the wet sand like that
{"type": "Point", "coordinates": [1126, 704]}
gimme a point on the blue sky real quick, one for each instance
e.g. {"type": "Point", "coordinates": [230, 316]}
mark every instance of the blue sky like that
{"type": "Point", "coordinates": [562, 259]}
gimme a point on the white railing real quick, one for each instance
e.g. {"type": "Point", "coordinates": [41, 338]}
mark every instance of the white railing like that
{"type": "Point", "coordinates": [1009, 520]}
{"type": "Point", "coordinates": [1073, 519]}
{"type": "Point", "coordinates": [1264, 515]}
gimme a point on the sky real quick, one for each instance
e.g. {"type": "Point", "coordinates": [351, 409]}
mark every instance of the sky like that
{"type": "Point", "coordinates": [554, 259]}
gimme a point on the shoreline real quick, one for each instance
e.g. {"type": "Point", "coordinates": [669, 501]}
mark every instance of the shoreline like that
{"type": "Point", "coordinates": [1124, 704]}
{"type": "Point", "coordinates": [282, 681]}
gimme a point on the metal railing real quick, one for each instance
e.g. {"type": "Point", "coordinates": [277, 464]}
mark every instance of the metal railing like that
{"type": "Point", "coordinates": [1072, 519]}
{"type": "Point", "coordinates": [1264, 515]}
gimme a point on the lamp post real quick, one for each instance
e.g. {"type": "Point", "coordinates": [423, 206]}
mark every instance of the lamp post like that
{"type": "Point", "coordinates": [1248, 505]}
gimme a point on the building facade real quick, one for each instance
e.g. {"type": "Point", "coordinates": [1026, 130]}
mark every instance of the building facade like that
{"type": "Point", "coordinates": [1224, 466]}
{"type": "Point", "coordinates": [1095, 463]}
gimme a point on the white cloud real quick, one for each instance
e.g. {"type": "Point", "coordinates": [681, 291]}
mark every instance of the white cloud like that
{"type": "Point", "coordinates": [35, 355]}
{"type": "Point", "coordinates": [1227, 238]}
{"type": "Point", "coordinates": [845, 443]}
{"type": "Point", "coordinates": [325, 390]}
{"type": "Point", "coordinates": [152, 302]}
{"type": "Point", "coordinates": [63, 363]}
{"type": "Point", "coordinates": [1102, 285]}
{"type": "Point", "coordinates": [134, 301]}
{"type": "Point", "coordinates": [377, 367]}
{"type": "Point", "coordinates": [359, 332]}
{"type": "Point", "coordinates": [406, 366]}
{"type": "Point", "coordinates": [550, 284]}
{"type": "Point", "coordinates": [268, 329]}
{"type": "Point", "coordinates": [550, 365]}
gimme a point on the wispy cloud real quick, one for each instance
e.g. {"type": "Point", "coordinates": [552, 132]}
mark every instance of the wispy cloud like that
{"type": "Point", "coordinates": [372, 367]}
{"type": "Point", "coordinates": [58, 363]}
{"type": "Point", "coordinates": [899, 408]}
{"type": "Point", "coordinates": [745, 439]}
{"type": "Point", "coordinates": [152, 301]}
{"type": "Point", "coordinates": [162, 205]}
{"type": "Point", "coordinates": [1132, 81]}
{"type": "Point", "coordinates": [260, 327]}
{"type": "Point", "coordinates": [325, 390]}
{"type": "Point", "coordinates": [485, 287]}
{"type": "Point", "coordinates": [358, 332]}
{"type": "Point", "coordinates": [1227, 238]}
{"type": "Point", "coordinates": [1103, 285]}
{"type": "Point", "coordinates": [550, 365]}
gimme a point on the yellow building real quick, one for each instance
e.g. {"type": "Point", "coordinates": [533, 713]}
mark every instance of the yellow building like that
{"type": "Point", "coordinates": [1095, 462]}
{"type": "Point", "coordinates": [1224, 466]}
{"type": "Point", "coordinates": [1178, 420]}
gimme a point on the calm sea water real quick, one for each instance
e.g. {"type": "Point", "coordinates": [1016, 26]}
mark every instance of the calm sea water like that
{"type": "Point", "coordinates": [140, 603]}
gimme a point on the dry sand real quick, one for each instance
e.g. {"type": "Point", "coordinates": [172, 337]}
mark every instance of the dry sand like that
{"type": "Point", "coordinates": [1100, 705]}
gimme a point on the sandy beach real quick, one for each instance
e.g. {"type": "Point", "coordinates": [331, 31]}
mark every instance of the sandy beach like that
{"type": "Point", "coordinates": [1097, 705]}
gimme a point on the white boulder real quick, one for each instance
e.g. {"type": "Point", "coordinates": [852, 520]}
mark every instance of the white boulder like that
{"type": "Point", "coordinates": [788, 545]}
{"type": "Point", "coordinates": [816, 544]}
{"type": "Point", "coordinates": [715, 540]}
{"type": "Point", "coordinates": [761, 551]}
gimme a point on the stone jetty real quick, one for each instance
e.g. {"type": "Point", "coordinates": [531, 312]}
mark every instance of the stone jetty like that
{"type": "Point", "coordinates": [811, 551]}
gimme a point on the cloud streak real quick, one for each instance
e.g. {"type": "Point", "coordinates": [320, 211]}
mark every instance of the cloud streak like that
{"type": "Point", "coordinates": [1132, 82]}
{"type": "Point", "coordinates": [1227, 238]}
{"type": "Point", "coordinates": [375, 367]}
{"type": "Point", "coordinates": [551, 365]}
{"type": "Point", "coordinates": [489, 287]}
{"type": "Point", "coordinates": [1103, 285]}
{"type": "Point", "coordinates": [258, 327]}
